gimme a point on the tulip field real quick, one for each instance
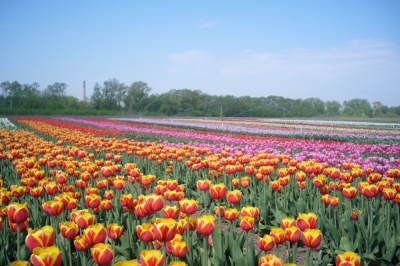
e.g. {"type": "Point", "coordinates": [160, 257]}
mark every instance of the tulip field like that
{"type": "Point", "coordinates": [198, 191]}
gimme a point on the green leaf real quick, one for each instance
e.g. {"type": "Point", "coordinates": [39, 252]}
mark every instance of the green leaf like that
{"type": "Point", "coordinates": [346, 245]}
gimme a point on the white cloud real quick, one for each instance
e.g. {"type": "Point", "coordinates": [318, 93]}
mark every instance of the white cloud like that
{"type": "Point", "coordinates": [207, 24]}
{"type": "Point", "coordinates": [358, 57]}
{"type": "Point", "coordinates": [189, 57]}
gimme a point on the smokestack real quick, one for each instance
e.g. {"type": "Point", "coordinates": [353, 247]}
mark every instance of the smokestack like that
{"type": "Point", "coordinates": [84, 91]}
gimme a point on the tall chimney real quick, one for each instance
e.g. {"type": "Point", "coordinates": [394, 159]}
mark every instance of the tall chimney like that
{"type": "Point", "coordinates": [84, 91]}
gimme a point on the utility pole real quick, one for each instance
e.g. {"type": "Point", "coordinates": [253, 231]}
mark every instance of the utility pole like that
{"type": "Point", "coordinates": [84, 91]}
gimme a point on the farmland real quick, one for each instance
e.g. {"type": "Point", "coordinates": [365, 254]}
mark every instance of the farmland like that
{"type": "Point", "coordinates": [198, 191]}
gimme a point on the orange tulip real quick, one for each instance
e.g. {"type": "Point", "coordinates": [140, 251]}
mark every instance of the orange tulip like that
{"type": "Point", "coordinates": [231, 214]}
{"type": "Point", "coordinates": [270, 260]}
{"type": "Point", "coordinates": [250, 211]}
{"type": "Point", "coordinates": [69, 229]}
{"type": "Point", "coordinates": [52, 188]}
{"type": "Point", "coordinates": [119, 184]}
{"type": "Point", "coordinates": [93, 201]}
{"type": "Point", "coordinates": [307, 220]}
{"type": "Point", "coordinates": [171, 212]}
{"type": "Point", "coordinates": [43, 237]}
{"type": "Point", "coordinates": [278, 234]}
{"type": "Point", "coordinates": [349, 192]}
{"type": "Point", "coordinates": [389, 193]}
{"type": "Point", "coordinates": [165, 229]}
{"type": "Point", "coordinates": [128, 202]}
{"type": "Point", "coordinates": [275, 185]}
{"type": "Point", "coordinates": [192, 223]}
{"type": "Point", "coordinates": [20, 263]}
{"type": "Point", "coordinates": [247, 223]}
{"type": "Point", "coordinates": [53, 207]}
{"type": "Point", "coordinates": [370, 191]}
{"type": "Point", "coordinates": [188, 206]}
{"type": "Point", "coordinates": [348, 258]}
{"type": "Point", "coordinates": [17, 212]}
{"type": "Point", "coordinates": [218, 191]}
{"type": "Point", "coordinates": [335, 201]}
{"type": "Point", "coordinates": [287, 222]}
{"type": "Point", "coordinates": [84, 218]}
{"type": "Point", "coordinates": [154, 202]}
{"type": "Point", "coordinates": [266, 243]}
{"type": "Point", "coordinates": [81, 243]}
{"type": "Point", "coordinates": [106, 204]}
{"type": "Point", "coordinates": [152, 258]}
{"type": "Point", "coordinates": [205, 224]}
{"type": "Point", "coordinates": [95, 234]}
{"type": "Point", "coordinates": [292, 233]}
{"type": "Point", "coordinates": [312, 238]}
{"type": "Point", "coordinates": [109, 194]}
{"type": "Point", "coordinates": [177, 247]}
{"type": "Point", "coordinates": [22, 226]}
{"type": "Point", "coordinates": [46, 256]}
{"type": "Point", "coordinates": [235, 182]}
{"type": "Point", "coordinates": [114, 231]}
{"type": "Point", "coordinates": [145, 232]}
{"type": "Point", "coordinates": [102, 253]}
{"type": "Point", "coordinates": [127, 263]}
{"type": "Point", "coordinates": [234, 196]}
{"type": "Point", "coordinates": [203, 184]}
{"type": "Point", "coordinates": [36, 192]}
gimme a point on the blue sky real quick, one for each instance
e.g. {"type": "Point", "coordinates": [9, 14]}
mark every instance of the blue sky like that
{"type": "Point", "coordinates": [332, 50]}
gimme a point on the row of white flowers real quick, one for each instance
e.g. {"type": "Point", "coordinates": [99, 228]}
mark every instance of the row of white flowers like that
{"type": "Point", "coordinates": [6, 123]}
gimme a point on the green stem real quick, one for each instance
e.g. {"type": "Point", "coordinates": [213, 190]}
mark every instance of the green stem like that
{"type": "Point", "coordinates": [69, 251]}
{"type": "Point", "coordinates": [18, 242]}
{"type": "Point", "coordinates": [294, 252]}
{"type": "Point", "coordinates": [311, 257]}
{"type": "Point", "coordinates": [188, 237]}
{"type": "Point", "coordinates": [307, 259]}
{"type": "Point", "coordinates": [247, 248]}
{"type": "Point", "coordinates": [205, 261]}
{"type": "Point", "coordinates": [220, 227]}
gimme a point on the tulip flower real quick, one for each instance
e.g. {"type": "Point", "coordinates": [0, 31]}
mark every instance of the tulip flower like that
{"type": "Point", "coordinates": [234, 196]}
{"type": "Point", "coordinates": [171, 212]}
{"type": "Point", "coordinates": [354, 214]}
{"type": "Point", "coordinates": [20, 263]}
{"type": "Point", "coordinates": [235, 182]}
{"type": "Point", "coordinates": [293, 233]}
{"type": "Point", "coordinates": [307, 220]}
{"type": "Point", "coordinates": [218, 191]}
{"type": "Point", "coordinates": [250, 211]}
{"type": "Point", "coordinates": [348, 258]}
{"type": "Point", "coordinates": [278, 234]}
{"type": "Point", "coordinates": [266, 243]}
{"type": "Point", "coordinates": [128, 202]}
{"type": "Point", "coordinates": [69, 229]}
{"type": "Point", "coordinates": [114, 231]}
{"type": "Point", "coordinates": [17, 212]}
{"type": "Point", "coordinates": [46, 256]}
{"type": "Point", "coordinates": [145, 232]}
{"type": "Point", "coordinates": [177, 263]}
{"type": "Point", "coordinates": [95, 234]}
{"type": "Point", "coordinates": [219, 211]}
{"type": "Point", "coordinates": [127, 263]}
{"type": "Point", "coordinates": [22, 226]}
{"type": "Point", "coordinates": [154, 203]}
{"type": "Point", "coordinates": [36, 192]}
{"type": "Point", "coordinates": [335, 201]}
{"type": "Point", "coordinates": [287, 222]}
{"type": "Point", "coordinates": [81, 243]}
{"type": "Point", "coordinates": [370, 190]}
{"type": "Point", "coordinates": [165, 229]}
{"type": "Point", "coordinates": [84, 219]}
{"type": "Point", "coordinates": [188, 206]}
{"type": "Point", "coordinates": [192, 223]}
{"type": "Point", "coordinates": [389, 193]}
{"type": "Point", "coordinates": [203, 184]}
{"type": "Point", "coordinates": [247, 223]}
{"type": "Point", "coordinates": [152, 258]}
{"type": "Point", "coordinates": [93, 201]}
{"type": "Point", "coordinates": [102, 253]}
{"type": "Point", "coordinates": [270, 259]}
{"type": "Point", "coordinates": [312, 238]}
{"type": "Point", "coordinates": [43, 237]}
{"type": "Point", "coordinates": [349, 192]}
{"type": "Point", "coordinates": [275, 185]}
{"type": "Point", "coordinates": [177, 247]}
{"type": "Point", "coordinates": [53, 207]}
{"type": "Point", "coordinates": [231, 214]}
{"type": "Point", "coordinates": [205, 224]}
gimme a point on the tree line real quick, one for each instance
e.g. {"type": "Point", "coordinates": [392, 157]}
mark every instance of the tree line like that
{"type": "Point", "coordinates": [115, 98]}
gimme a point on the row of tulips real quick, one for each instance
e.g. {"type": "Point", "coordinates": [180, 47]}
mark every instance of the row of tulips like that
{"type": "Point", "coordinates": [379, 156]}
{"type": "Point", "coordinates": [271, 201]}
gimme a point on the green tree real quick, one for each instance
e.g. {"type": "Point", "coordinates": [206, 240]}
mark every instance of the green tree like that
{"type": "Point", "coordinates": [333, 108]}
{"type": "Point", "coordinates": [135, 97]}
{"type": "Point", "coordinates": [357, 107]}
